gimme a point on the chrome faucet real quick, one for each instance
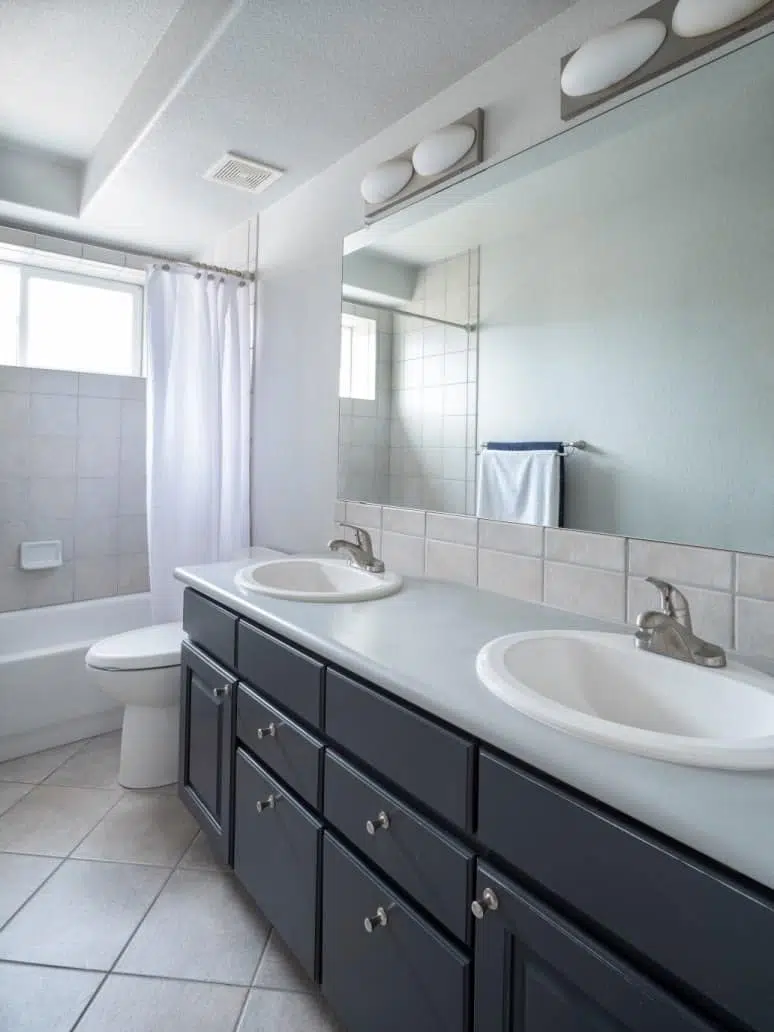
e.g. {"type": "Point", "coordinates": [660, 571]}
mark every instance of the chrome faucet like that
{"type": "Point", "coordinates": [669, 631]}
{"type": "Point", "coordinates": [361, 551]}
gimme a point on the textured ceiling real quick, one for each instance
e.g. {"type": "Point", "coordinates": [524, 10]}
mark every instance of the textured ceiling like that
{"type": "Point", "coordinates": [67, 66]}
{"type": "Point", "coordinates": [296, 83]}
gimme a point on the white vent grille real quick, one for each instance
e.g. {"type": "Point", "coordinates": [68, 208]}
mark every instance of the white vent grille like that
{"type": "Point", "coordinates": [243, 173]}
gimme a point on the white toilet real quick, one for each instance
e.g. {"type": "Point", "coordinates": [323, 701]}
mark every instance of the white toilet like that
{"type": "Point", "coordinates": [141, 669]}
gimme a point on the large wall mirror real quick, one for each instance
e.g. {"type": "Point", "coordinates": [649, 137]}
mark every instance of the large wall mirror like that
{"type": "Point", "coordinates": [613, 286]}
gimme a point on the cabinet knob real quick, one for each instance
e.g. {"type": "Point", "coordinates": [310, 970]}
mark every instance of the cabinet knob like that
{"type": "Point", "coordinates": [488, 901]}
{"type": "Point", "coordinates": [267, 804]}
{"type": "Point", "coordinates": [379, 920]}
{"type": "Point", "coordinates": [268, 732]}
{"type": "Point", "coordinates": [382, 821]}
{"type": "Point", "coordinates": [220, 691]}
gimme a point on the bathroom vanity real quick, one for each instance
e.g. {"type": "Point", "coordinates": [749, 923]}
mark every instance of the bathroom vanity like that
{"type": "Point", "coordinates": [420, 870]}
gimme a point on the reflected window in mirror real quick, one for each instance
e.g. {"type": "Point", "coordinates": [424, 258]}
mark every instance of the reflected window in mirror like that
{"type": "Point", "coordinates": [357, 376]}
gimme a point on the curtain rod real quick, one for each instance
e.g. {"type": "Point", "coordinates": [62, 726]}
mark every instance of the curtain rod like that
{"type": "Point", "coordinates": [248, 277]}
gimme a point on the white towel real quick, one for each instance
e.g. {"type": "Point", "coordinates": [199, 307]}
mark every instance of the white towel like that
{"type": "Point", "coordinates": [519, 486]}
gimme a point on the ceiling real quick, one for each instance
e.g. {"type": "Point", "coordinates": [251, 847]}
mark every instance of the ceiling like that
{"type": "Point", "coordinates": [118, 107]}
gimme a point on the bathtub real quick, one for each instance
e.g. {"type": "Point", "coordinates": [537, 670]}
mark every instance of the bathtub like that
{"type": "Point", "coordinates": [46, 698]}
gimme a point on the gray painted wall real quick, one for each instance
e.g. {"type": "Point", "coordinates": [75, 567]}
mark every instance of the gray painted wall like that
{"type": "Point", "coordinates": [647, 333]}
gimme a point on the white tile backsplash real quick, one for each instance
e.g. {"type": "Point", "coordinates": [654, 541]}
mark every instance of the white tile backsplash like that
{"type": "Point", "coordinates": [599, 550]}
{"type": "Point", "coordinates": [462, 530]}
{"type": "Point", "coordinates": [583, 589]}
{"type": "Point", "coordinates": [363, 514]}
{"type": "Point", "coordinates": [99, 417]}
{"type": "Point", "coordinates": [510, 537]}
{"type": "Point", "coordinates": [404, 521]}
{"type": "Point", "coordinates": [755, 576]}
{"type": "Point", "coordinates": [403, 553]}
{"type": "Point", "coordinates": [681, 564]}
{"type": "Point", "coordinates": [447, 561]}
{"type": "Point", "coordinates": [51, 455]}
{"type": "Point", "coordinates": [53, 381]}
{"type": "Point", "coordinates": [755, 626]}
{"type": "Point", "coordinates": [54, 414]}
{"type": "Point", "coordinates": [515, 575]}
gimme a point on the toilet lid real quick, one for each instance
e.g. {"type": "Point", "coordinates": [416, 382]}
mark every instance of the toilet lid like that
{"type": "Point", "coordinates": [147, 648]}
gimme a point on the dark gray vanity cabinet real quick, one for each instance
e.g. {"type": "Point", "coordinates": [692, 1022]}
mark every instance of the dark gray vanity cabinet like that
{"type": "Point", "coordinates": [535, 972]}
{"type": "Point", "coordinates": [430, 883]}
{"type": "Point", "coordinates": [277, 844]}
{"type": "Point", "coordinates": [206, 759]}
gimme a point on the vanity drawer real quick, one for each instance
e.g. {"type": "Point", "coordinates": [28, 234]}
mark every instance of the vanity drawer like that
{"type": "Point", "coordinates": [285, 674]}
{"type": "Point", "coordinates": [277, 858]}
{"type": "Point", "coordinates": [700, 927]}
{"type": "Point", "coordinates": [432, 763]}
{"type": "Point", "coordinates": [286, 749]}
{"type": "Point", "coordinates": [210, 626]}
{"type": "Point", "coordinates": [403, 975]}
{"type": "Point", "coordinates": [428, 865]}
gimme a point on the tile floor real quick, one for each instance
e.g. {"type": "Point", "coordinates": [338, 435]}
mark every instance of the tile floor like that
{"type": "Point", "coordinates": [114, 915]}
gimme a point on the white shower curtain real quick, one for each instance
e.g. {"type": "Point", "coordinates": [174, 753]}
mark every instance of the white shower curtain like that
{"type": "Point", "coordinates": [198, 337]}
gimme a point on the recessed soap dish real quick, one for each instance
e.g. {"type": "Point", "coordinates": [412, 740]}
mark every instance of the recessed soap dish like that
{"type": "Point", "coordinates": [40, 555]}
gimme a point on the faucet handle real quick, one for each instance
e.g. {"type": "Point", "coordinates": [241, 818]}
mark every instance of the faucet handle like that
{"type": "Point", "coordinates": [362, 537]}
{"type": "Point", "coordinates": [673, 601]}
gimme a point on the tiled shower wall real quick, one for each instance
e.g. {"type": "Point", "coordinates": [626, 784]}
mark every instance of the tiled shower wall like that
{"type": "Point", "coordinates": [731, 594]}
{"type": "Point", "coordinates": [72, 468]}
{"type": "Point", "coordinates": [434, 373]}
{"type": "Point", "coordinates": [364, 426]}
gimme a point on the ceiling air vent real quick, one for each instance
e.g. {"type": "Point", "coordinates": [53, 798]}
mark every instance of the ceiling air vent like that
{"type": "Point", "coordinates": [243, 173]}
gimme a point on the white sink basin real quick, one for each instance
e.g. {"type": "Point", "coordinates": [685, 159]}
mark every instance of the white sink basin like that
{"type": "Point", "coordinates": [601, 688]}
{"type": "Point", "coordinates": [316, 580]}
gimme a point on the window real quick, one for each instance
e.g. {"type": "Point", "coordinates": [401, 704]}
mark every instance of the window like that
{"type": "Point", "coordinates": [357, 376]}
{"type": "Point", "coordinates": [52, 319]}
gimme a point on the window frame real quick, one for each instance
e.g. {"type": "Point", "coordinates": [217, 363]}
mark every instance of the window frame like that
{"type": "Point", "coordinates": [29, 270]}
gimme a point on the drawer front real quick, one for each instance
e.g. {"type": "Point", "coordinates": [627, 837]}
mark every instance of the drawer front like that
{"type": "Point", "coordinates": [433, 764]}
{"type": "Point", "coordinates": [277, 858]}
{"type": "Point", "coordinates": [287, 676]}
{"type": "Point", "coordinates": [706, 931]}
{"type": "Point", "coordinates": [427, 864]}
{"type": "Point", "coordinates": [280, 744]}
{"type": "Point", "coordinates": [211, 626]}
{"type": "Point", "coordinates": [403, 975]}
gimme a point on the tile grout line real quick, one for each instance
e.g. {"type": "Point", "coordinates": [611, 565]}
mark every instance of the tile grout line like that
{"type": "Point", "coordinates": [30, 898]}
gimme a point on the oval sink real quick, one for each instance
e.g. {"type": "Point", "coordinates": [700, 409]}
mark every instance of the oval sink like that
{"type": "Point", "coordinates": [316, 580]}
{"type": "Point", "coordinates": [601, 688]}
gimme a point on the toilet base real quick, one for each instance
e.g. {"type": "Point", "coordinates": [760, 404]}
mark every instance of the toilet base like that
{"type": "Point", "coordinates": [149, 746]}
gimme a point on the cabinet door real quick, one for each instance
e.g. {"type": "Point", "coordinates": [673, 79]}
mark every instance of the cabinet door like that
{"type": "Point", "coordinates": [534, 972]}
{"type": "Point", "coordinates": [207, 745]}
{"type": "Point", "coordinates": [277, 857]}
{"type": "Point", "coordinates": [384, 968]}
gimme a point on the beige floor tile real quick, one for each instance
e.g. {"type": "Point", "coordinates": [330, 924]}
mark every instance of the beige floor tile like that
{"type": "Point", "coordinates": [11, 793]}
{"type": "Point", "coordinates": [129, 1004]}
{"type": "Point", "coordinates": [52, 821]}
{"type": "Point", "coordinates": [20, 876]}
{"type": "Point", "coordinates": [146, 829]}
{"type": "Point", "coordinates": [270, 1011]}
{"type": "Point", "coordinates": [95, 765]}
{"type": "Point", "coordinates": [37, 766]}
{"type": "Point", "coordinates": [199, 855]}
{"type": "Point", "coordinates": [39, 999]}
{"type": "Point", "coordinates": [202, 927]}
{"type": "Point", "coordinates": [83, 916]}
{"type": "Point", "coordinates": [279, 969]}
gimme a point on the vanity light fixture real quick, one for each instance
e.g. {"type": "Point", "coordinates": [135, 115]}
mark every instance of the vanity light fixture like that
{"type": "Point", "coordinates": [694, 18]}
{"type": "Point", "coordinates": [606, 59]}
{"type": "Point", "coordinates": [443, 153]}
{"type": "Point", "coordinates": [387, 180]}
{"type": "Point", "coordinates": [443, 149]}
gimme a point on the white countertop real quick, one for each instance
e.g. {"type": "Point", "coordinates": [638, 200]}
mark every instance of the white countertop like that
{"type": "Point", "coordinates": [421, 645]}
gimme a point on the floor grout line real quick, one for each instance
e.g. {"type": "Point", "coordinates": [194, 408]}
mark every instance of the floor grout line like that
{"type": "Point", "coordinates": [30, 898]}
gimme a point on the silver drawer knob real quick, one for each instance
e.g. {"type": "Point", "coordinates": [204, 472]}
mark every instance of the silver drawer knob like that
{"type": "Point", "coordinates": [382, 821]}
{"type": "Point", "coordinates": [379, 920]}
{"type": "Point", "coordinates": [268, 732]}
{"type": "Point", "coordinates": [488, 901]}
{"type": "Point", "coordinates": [267, 804]}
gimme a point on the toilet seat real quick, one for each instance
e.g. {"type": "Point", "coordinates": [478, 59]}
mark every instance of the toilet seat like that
{"type": "Point", "coordinates": [148, 648]}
